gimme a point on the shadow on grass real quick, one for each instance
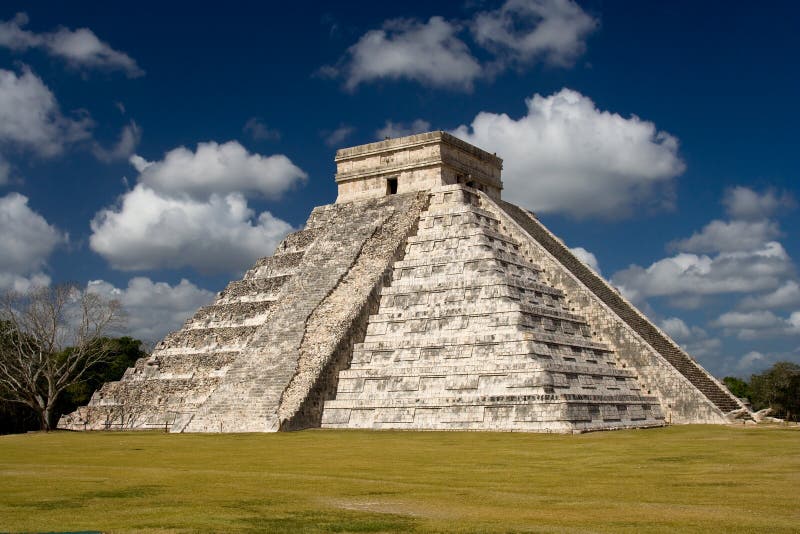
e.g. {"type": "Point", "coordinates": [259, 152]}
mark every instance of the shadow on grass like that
{"type": "Point", "coordinates": [267, 515]}
{"type": "Point", "coordinates": [681, 459]}
{"type": "Point", "coordinates": [332, 521]}
{"type": "Point", "coordinates": [90, 498]}
{"type": "Point", "coordinates": [131, 492]}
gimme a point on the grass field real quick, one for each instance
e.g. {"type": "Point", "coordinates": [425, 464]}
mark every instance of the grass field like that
{"type": "Point", "coordinates": [695, 478]}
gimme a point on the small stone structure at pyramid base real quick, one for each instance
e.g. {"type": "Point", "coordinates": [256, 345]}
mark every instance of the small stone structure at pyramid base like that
{"type": "Point", "coordinates": [419, 300]}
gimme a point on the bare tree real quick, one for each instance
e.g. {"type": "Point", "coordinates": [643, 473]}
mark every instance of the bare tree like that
{"type": "Point", "coordinates": [50, 337]}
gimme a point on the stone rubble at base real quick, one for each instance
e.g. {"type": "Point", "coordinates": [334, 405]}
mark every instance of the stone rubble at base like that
{"type": "Point", "coordinates": [419, 300]}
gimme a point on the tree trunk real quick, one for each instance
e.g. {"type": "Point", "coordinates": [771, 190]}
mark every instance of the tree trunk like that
{"type": "Point", "coordinates": [44, 416]}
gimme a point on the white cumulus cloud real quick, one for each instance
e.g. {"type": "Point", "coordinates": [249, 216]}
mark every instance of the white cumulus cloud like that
{"type": "Point", "coordinates": [754, 319]}
{"type": "Point", "coordinates": [692, 274]}
{"type": "Point", "coordinates": [739, 255]}
{"type": "Point", "coordinates": [190, 209]}
{"type": "Point", "coordinates": [26, 242]}
{"type": "Point", "coordinates": [745, 203]}
{"type": "Point", "coordinates": [215, 168]}
{"type": "Point", "coordinates": [154, 309]}
{"type": "Point", "coordinates": [151, 230]}
{"type": "Point", "coordinates": [426, 52]}
{"type": "Point", "coordinates": [794, 321]}
{"type": "Point", "coordinates": [30, 117]}
{"type": "Point", "coordinates": [786, 296]}
{"type": "Point", "coordinates": [553, 31]}
{"type": "Point", "coordinates": [729, 236]}
{"type": "Point", "coordinates": [567, 156]}
{"type": "Point", "coordinates": [758, 324]}
{"type": "Point", "coordinates": [518, 33]}
{"type": "Point", "coordinates": [80, 48]}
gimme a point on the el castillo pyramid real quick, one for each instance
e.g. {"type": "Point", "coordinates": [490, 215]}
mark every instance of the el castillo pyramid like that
{"type": "Point", "coordinates": [419, 300]}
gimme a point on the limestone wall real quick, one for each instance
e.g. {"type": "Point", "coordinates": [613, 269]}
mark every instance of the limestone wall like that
{"type": "Point", "coordinates": [268, 350]}
{"type": "Point", "coordinates": [468, 336]}
{"type": "Point", "coordinates": [418, 162]}
{"type": "Point", "coordinates": [443, 309]}
{"type": "Point", "coordinates": [253, 389]}
{"type": "Point", "coordinates": [693, 397]}
{"type": "Point", "coordinates": [187, 366]}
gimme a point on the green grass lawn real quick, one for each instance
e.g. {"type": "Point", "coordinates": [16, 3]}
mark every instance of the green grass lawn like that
{"type": "Point", "coordinates": [693, 478]}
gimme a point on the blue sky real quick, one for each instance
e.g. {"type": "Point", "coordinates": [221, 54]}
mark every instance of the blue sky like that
{"type": "Point", "coordinates": [155, 153]}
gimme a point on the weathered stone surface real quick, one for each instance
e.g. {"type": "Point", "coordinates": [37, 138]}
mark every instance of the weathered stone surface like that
{"type": "Point", "coordinates": [255, 388]}
{"type": "Point", "coordinates": [688, 394]}
{"type": "Point", "coordinates": [168, 387]}
{"type": "Point", "coordinates": [439, 307]}
{"type": "Point", "coordinates": [317, 287]}
{"type": "Point", "coordinates": [341, 319]}
{"type": "Point", "coordinates": [465, 341]}
{"type": "Point", "coordinates": [414, 163]}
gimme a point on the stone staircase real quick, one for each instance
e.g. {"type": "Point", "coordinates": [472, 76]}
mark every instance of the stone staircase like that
{"type": "Point", "coordinates": [249, 396]}
{"type": "Point", "coordinates": [230, 366]}
{"type": "Point", "coordinates": [469, 337]}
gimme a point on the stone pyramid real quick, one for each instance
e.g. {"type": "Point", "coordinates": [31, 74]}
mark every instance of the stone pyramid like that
{"type": "Point", "coordinates": [419, 300]}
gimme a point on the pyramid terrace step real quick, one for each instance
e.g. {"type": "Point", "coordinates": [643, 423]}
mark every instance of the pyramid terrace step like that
{"type": "Point", "coordinates": [173, 391]}
{"type": "Point", "coordinates": [465, 399]}
{"type": "Point", "coordinates": [412, 388]}
{"type": "Point", "coordinates": [488, 322]}
{"type": "Point", "coordinates": [460, 223]}
{"type": "Point", "coordinates": [387, 359]}
{"type": "Point", "coordinates": [253, 289]}
{"type": "Point", "coordinates": [436, 210]}
{"type": "Point", "coordinates": [456, 222]}
{"type": "Point", "coordinates": [483, 368]}
{"type": "Point", "coordinates": [272, 266]}
{"type": "Point", "coordinates": [439, 213]}
{"type": "Point", "coordinates": [463, 234]}
{"type": "Point", "coordinates": [471, 281]}
{"type": "Point", "coordinates": [208, 337]}
{"type": "Point", "coordinates": [471, 308]}
{"type": "Point", "coordinates": [406, 350]}
{"type": "Point", "coordinates": [233, 311]}
{"type": "Point", "coordinates": [429, 278]}
{"type": "Point", "coordinates": [462, 249]}
{"type": "Point", "coordinates": [499, 337]}
{"type": "Point", "coordinates": [509, 333]}
{"type": "Point", "coordinates": [298, 241]}
{"type": "Point", "coordinates": [492, 259]}
{"type": "Point", "coordinates": [187, 362]}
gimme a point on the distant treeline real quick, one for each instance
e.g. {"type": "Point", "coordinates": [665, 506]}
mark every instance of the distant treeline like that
{"type": "Point", "coordinates": [778, 388]}
{"type": "Point", "coordinates": [123, 352]}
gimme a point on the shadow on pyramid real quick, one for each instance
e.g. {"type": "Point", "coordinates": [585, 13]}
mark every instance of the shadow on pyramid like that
{"type": "Point", "coordinates": [419, 300]}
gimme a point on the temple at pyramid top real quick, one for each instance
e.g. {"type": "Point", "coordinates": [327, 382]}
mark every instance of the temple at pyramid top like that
{"type": "Point", "coordinates": [415, 163]}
